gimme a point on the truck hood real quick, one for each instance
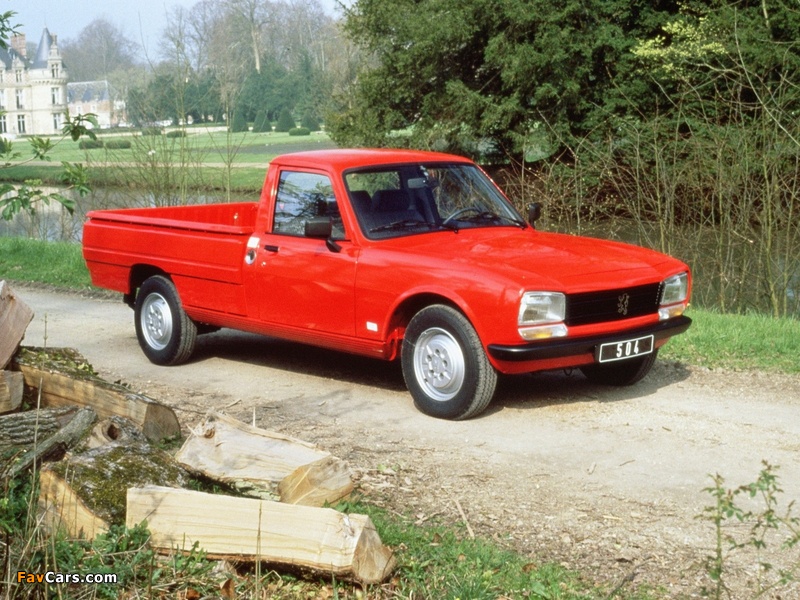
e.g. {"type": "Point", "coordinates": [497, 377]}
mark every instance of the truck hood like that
{"type": "Point", "coordinates": [557, 262]}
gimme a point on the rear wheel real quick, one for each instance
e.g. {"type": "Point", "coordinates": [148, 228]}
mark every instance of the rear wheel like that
{"type": "Point", "coordinates": [165, 332]}
{"type": "Point", "coordinates": [444, 365]}
{"type": "Point", "coordinates": [624, 372]}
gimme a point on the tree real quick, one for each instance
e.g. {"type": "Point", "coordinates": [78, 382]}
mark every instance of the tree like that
{"type": "Point", "coordinates": [285, 121]}
{"type": "Point", "coordinates": [261, 123]}
{"type": "Point", "coordinates": [310, 121]}
{"type": "Point", "coordinates": [99, 50]}
{"type": "Point", "coordinates": [460, 72]}
{"type": "Point", "coordinates": [238, 122]}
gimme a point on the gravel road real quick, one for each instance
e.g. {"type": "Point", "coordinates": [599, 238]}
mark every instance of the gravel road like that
{"type": "Point", "coordinates": [609, 481]}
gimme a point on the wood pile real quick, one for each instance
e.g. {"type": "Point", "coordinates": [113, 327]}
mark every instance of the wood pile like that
{"type": "Point", "coordinates": [96, 446]}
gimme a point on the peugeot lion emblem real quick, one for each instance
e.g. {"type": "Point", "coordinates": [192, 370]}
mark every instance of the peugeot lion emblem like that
{"type": "Point", "coordinates": [622, 304]}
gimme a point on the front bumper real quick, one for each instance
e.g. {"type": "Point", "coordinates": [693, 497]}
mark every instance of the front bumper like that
{"type": "Point", "coordinates": [564, 347]}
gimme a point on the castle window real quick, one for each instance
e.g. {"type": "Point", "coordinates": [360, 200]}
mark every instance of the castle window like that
{"type": "Point", "coordinates": [54, 71]}
{"type": "Point", "coordinates": [55, 95]}
{"type": "Point", "coordinates": [19, 75]}
{"type": "Point", "coordinates": [20, 123]}
{"type": "Point", "coordinates": [3, 124]}
{"type": "Point", "coordinates": [20, 99]}
{"type": "Point", "coordinates": [56, 121]}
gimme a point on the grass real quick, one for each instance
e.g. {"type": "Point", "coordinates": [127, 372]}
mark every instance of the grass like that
{"type": "Point", "coordinates": [739, 342]}
{"type": "Point", "coordinates": [53, 263]}
{"type": "Point", "coordinates": [250, 154]}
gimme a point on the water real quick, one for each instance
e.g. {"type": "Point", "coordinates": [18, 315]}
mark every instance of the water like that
{"type": "Point", "coordinates": [53, 223]}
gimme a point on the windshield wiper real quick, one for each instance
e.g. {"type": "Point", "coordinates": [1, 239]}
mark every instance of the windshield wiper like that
{"type": "Point", "coordinates": [494, 217]}
{"type": "Point", "coordinates": [400, 225]}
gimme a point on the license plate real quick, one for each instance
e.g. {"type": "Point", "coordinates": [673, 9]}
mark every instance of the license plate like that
{"type": "Point", "coordinates": [625, 349]}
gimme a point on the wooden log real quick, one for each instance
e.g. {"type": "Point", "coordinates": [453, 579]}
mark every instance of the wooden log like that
{"type": "Point", "coordinates": [15, 316]}
{"type": "Point", "coordinates": [21, 430]}
{"type": "Point", "coordinates": [86, 492]}
{"type": "Point", "coordinates": [61, 508]}
{"type": "Point", "coordinates": [11, 388]}
{"type": "Point", "coordinates": [321, 540]}
{"type": "Point", "coordinates": [65, 378]}
{"type": "Point", "coordinates": [55, 446]}
{"type": "Point", "coordinates": [264, 464]}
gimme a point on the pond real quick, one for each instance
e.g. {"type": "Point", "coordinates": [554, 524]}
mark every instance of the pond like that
{"type": "Point", "coordinates": [733, 274]}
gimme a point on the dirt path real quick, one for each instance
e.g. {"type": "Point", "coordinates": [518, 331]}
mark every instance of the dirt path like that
{"type": "Point", "coordinates": [605, 480]}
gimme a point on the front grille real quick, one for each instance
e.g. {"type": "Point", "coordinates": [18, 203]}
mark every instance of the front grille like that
{"type": "Point", "coordinates": [612, 305]}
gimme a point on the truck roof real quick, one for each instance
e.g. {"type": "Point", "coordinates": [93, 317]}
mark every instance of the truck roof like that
{"type": "Point", "coordinates": [349, 158]}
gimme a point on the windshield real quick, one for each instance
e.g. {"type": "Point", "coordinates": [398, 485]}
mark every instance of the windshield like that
{"type": "Point", "coordinates": [420, 198]}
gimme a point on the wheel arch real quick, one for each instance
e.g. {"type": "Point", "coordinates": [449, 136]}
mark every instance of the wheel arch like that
{"type": "Point", "coordinates": [405, 311]}
{"type": "Point", "coordinates": [138, 275]}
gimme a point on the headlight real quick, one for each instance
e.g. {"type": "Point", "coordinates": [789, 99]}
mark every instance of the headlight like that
{"type": "Point", "coordinates": [541, 315]}
{"type": "Point", "coordinates": [674, 294]}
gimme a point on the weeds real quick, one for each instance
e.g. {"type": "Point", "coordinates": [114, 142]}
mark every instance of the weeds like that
{"type": "Point", "coordinates": [767, 528]}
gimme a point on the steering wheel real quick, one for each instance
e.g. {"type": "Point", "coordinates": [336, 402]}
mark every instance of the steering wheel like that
{"type": "Point", "coordinates": [462, 211]}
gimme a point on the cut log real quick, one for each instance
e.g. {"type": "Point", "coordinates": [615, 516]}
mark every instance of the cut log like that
{"type": "Point", "coordinates": [11, 387]}
{"type": "Point", "coordinates": [65, 378]}
{"type": "Point", "coordinates": [55, 446]}
{"type": "Point", "coordinates": [60, 508]}
{"type": "Point", "coordinates": [264, 464]}
{"type": "Point", "coordinates": [15, 316]}
{"type": "Point", "coordinates": [85, 493]}
{"type": "Point", "coordinates": [321, 540]}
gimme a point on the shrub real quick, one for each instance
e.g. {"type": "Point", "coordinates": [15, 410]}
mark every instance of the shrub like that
{"type": "Point", "coordinates": [285, 121]}
{"type": "Point", "coordinates": [151, 131]}
{"type": "Point", "coordinates": [299, 131]}
{"type": "Point", "coordinates": [118, 144]}
{"type": "Point", "coordinates": [238, 122]}
{"type": "Point", "coordinates": [310, 121]}
{"type": "Point", "coordinates": [261, 123]}
{"type": "Point", "coordinates": [90, 144]}
{"type": "Point", "coordinates": [176, 133]}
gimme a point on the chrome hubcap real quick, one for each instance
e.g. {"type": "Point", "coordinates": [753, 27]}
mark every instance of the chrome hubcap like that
{"type": "Point", "coordinates": [156, 321]}
{"type": "Point", "coordinates": [439, 364]}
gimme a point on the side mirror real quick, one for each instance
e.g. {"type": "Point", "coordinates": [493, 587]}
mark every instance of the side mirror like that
{"type": "Point", "coordinates": [322, 228]}
{"type": "Point", "coordinates": [319, 227]}
{"type": "Point", "coordinates": [534, 213]}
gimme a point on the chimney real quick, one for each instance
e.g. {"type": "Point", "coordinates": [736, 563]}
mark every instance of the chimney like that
{"type": "Point", "coordinates": [18, 44]}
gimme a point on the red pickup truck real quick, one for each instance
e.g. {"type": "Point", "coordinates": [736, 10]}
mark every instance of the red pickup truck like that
{"type": "Point", "coordinates": [392, 254]}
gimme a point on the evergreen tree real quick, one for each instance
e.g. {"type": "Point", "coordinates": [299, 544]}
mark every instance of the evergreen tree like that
{"type": "Point", "coordinates": [310, 121]}
{"type": "Point", "coordinates": [261, 123]}
{"type": "Point", "coordinates": [238, 122]}
{"type": "Point", "coordinates": [285, 121]}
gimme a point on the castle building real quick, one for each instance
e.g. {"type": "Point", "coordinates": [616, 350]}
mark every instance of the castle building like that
{"type": "Point", "coordinates": [33, 90]}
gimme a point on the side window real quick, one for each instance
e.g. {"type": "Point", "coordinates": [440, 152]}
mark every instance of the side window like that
{"type": "Point", "coordinates": [302, 196]}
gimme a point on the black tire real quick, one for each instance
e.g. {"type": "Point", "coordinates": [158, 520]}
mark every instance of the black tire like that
{"type": "Point", "coordinates": [165, 332]}
{"type": "Point", "coordinates": [624, 372]}
{"type": "Point", "coordinates": [444, 365]}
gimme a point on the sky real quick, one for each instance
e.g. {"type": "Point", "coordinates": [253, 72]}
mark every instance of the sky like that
{"type": "Point", "coordinates": [142, 21]}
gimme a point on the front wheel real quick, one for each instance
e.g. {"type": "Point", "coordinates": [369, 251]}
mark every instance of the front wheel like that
{"type": "Point", "coordinates": [165, 332]}
{"type": "Point", "coordinates": [624, 372]}
{"type": "Point", "coordinates": [444, 365]}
